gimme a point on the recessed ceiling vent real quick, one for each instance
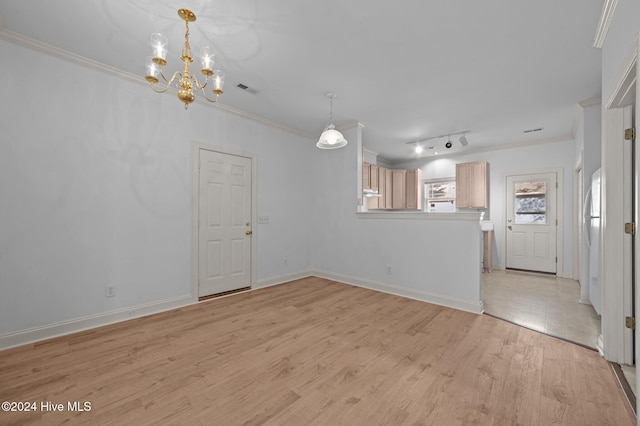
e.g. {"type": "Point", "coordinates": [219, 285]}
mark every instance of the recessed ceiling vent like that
{"type": "Point", "coordinates": [247, 88]}
{"type": "Point", "coordinates": [534, 130]}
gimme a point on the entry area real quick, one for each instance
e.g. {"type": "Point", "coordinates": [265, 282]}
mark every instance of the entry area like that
{"type": "Point", "coordinates": [546, 304]}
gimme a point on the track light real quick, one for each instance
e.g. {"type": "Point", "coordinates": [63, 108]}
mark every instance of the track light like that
{"type": "Point", "coordinates": [462, 139]}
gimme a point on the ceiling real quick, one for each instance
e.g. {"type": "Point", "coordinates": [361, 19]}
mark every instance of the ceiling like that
{"type": "Point", "coordinates": [406, 70]}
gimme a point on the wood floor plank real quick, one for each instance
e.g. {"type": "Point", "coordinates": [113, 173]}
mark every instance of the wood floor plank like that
{"type": "Point", "coordinates": [313, 352]}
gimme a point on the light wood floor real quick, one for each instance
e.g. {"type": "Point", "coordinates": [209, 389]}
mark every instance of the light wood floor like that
{"type": "Point", "coordinates": [314, 352]}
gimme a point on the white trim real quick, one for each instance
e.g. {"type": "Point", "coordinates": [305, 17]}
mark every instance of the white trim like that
{"type": "Point", "coordinates": [612, 234]}
{"type": "Point", "coordinates": [560, 272]}
{"type": "Point", "coordinates": [419, 215]}
{"type": "Point", "coordinates": [63, 328]}
{"type": "Point", "coordinates": [620, 94]}
{"type": "Point", "coordinates": [615, 345]}
{"type": "Point", "coordinates": [608, 10]}
{"type": "Point", "coordinates": [195, 183]}
{"type": "Point", "coordinates": [475, 307]}
{"type": "Point", "coordinates": [590, 102]}
{"type": "Point", "coordinates": [577, 118]}
{"type": "Point", "coordinates": [19, 39]}
{"type": "Point", "coordinates": [270, 282]}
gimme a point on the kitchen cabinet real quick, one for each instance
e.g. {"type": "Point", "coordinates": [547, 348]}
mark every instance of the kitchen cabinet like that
{"type": "Point", "coordinates": [374, 177]}
{"type": "Point", "coordinates": [472, 185]}
{"type": "Point", "coordinates": [377, 175]}
{"type": "Point", "coordinates": [388, 189]}
{"type": "Point", "coordinates": [413, 181]}
{"type": "Point", "coordinates": [366, 176]}
{"type": "Point", "coordinates": [398, 189]}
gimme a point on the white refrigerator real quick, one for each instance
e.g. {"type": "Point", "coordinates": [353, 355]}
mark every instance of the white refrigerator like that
{"type": "Point", "coordinates": [592, 230]}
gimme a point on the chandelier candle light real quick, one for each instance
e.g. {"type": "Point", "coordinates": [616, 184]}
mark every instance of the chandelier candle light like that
{"type": "Point", "coordinates": [187, 82]}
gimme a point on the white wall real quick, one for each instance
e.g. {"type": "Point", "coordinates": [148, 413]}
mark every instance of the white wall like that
{"type": "Point", "coordinates": [509, 161]}
{"type": "Point", "coordinates": [436, 260]}
{"type": "Point", "coordinates": [95, 189]}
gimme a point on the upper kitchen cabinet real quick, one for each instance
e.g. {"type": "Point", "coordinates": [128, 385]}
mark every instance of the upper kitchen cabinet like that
{"type": "Point", "coordinates": [391, 189]}
{"type": "Point", "coordinates": [366, 176]}
{"type": "Point", "coordinates": [414, 199]}
{"type": "Point", "coordinates": [472, 185]}
{"type": "Point", "coordinates": [378, 183]}
{"type": "Point", "coordinates": [369, 176]}
{"type": "Point", "coordinates": [398, 189]}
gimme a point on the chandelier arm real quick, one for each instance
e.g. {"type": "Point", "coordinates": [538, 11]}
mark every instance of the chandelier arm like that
{"type": "Point", "coordinates": [201, 86]}
{"type": "Point", "coordinates": [166, 86]}
{"type": "Point", "coordinates": [204, 93]}
{"type": "Point", "coordinates": [165, 78]}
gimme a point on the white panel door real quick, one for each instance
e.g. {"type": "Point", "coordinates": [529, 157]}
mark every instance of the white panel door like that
{"type": "Point", "coordinates": [531, 226]}
{"type": "Point", "coordinates": [224, 223]}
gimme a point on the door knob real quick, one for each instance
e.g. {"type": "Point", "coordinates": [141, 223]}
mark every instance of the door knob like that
{"type": "Point", "coordinates": [248, 232]}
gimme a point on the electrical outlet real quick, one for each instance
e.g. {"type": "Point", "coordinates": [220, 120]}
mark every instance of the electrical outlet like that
{"type": "Point", "coordinates": [109, 291]}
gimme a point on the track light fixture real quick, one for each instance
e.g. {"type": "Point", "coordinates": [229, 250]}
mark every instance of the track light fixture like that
{"type": "Point", "coordinates": [449, 144]}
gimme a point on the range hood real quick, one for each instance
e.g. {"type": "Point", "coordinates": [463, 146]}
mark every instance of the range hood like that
{"type": "Point", "coordinates": [371, 193]}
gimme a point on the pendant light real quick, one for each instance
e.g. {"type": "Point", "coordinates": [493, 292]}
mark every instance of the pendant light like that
{"type": "Point", "coordinates": [330, 137]}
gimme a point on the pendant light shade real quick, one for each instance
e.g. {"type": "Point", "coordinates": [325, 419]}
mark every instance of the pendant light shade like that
{"type": "Point", "coordinates": [330, 137]}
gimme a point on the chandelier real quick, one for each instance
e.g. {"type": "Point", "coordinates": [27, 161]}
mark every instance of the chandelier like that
{"type": "Point", "coordinates": [186, 81]}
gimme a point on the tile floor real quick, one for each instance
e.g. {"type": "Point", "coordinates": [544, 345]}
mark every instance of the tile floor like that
{"type": "Point", "coordinates": [547, 304]}
{"type": "Point", "coordinates": [543, 303]}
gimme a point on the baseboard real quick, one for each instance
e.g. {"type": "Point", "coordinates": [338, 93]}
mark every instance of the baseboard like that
{"type": "Point", "coordinates": [11, 340]}
{"type": "Point", "coordinates": [280, 280]}
{"type": "Point", "coordinates": [424, 296]}
{"type": "Point", "coordinates": [600, 345]}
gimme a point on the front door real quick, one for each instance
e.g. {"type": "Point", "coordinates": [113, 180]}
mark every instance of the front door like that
{"type": "Point", "coordinates": [224, 220]}
{"type": "Point", "coordinates": [531, 222]}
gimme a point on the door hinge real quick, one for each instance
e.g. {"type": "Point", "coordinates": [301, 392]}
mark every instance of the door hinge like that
{"type": "Point", "coordinates": [630, 228]}
{"type": "Point", "coordinates": [630, 322]}
{"type": "Point", "coordinates": [556, 259]}
{"type": "Point", "coordinates": [629, 134]}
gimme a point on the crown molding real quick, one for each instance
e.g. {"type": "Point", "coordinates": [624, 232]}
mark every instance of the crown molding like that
{"type": "Point", "coordinates": [21, 40]}
{"type": "Point", "coordinates": [608, 10]}
{"type": "Point", "coordinates": [587, 103]}
{"type": "Point", "coordinates": [590, 102]}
